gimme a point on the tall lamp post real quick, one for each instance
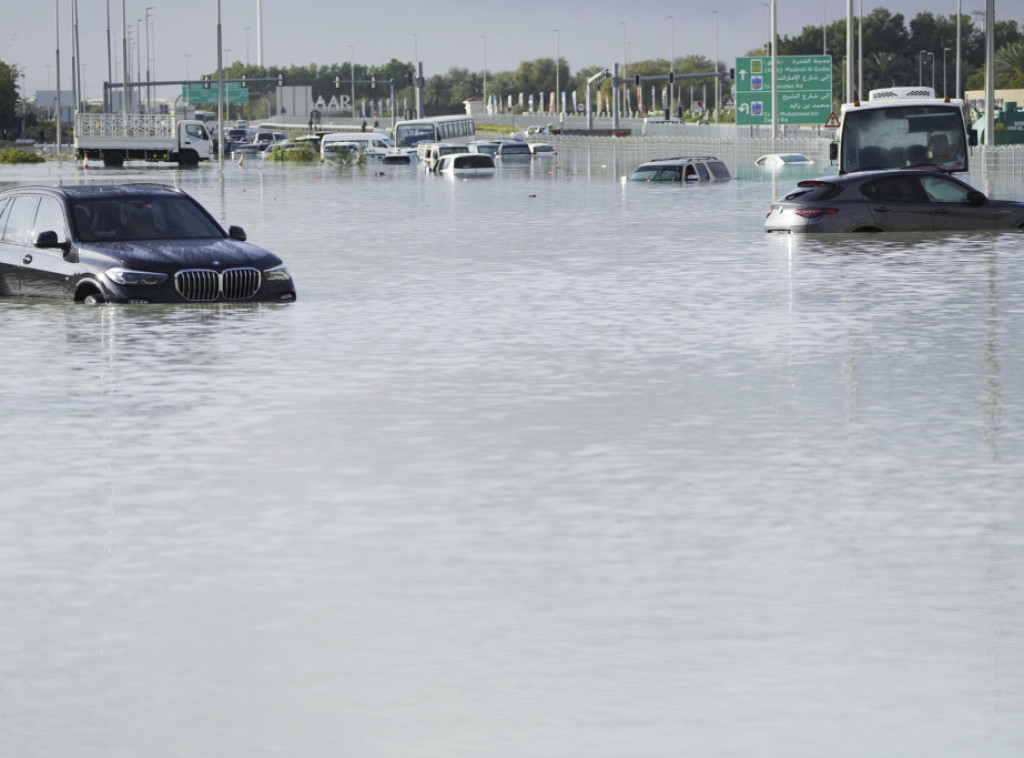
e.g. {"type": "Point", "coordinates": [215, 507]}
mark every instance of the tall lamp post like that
{"type": "Point", "coordinates": [625, 54]}
{"type": "Point", "coordinates": [718, 82]}
{"type": "Point", "coordinates": [352, 76]}
{"type": "Point", "coordinates": [558, 81]}
{"type": "Point", "coordinates": [824, 27]}
{"type": "Point", "coordinates": [149, 92]}
{"type": "Point", "coordinates": [671, 64]}
{"type": "Point", "coordinates": [944, 51]}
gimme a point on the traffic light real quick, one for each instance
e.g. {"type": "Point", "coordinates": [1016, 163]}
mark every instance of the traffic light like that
{"type": "Point", "coordinates": [671, 77]}
{"type": "Point", "coordinates": [337, 82]}
{"type": "Point", "coordinates": [373, 82]}
{"type": "Point", "coordinates": [206, 82]}
{"type": "Point", "coordinates": [409, 77]}
{"type": "Point", "coordinates": [732, 74]}
{"type": "Point", "coordinates": [280, 80]}
{"type": "Point", "coordinates": [245, 84]}
{"type": "Point", "coordinates": [636, 80]}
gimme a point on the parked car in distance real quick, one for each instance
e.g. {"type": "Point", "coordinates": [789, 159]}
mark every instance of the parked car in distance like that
{"type": "Point", "coordinates": [488, 146]}
{"type": "Point", "coordinates": [368, 142]}
{"type": "Point", "coordinates": [695, 170]}
{"type": "Point", "coordinates": [514, 149]}
{"type": "Point", "coordinates": [129, 243]}
{"type": "Point", "coordinates": [399, 157]}
{"type": "Point", "coordinates": [465, 163]}
{"type": "Point", "coordinates": [901, 200]}
{"type": "Point", "coordinates": [781, 160]}
{"type": "Point", "coordinates": [428, 153]}
{"type": "Point", "coordinates": [542, 148]}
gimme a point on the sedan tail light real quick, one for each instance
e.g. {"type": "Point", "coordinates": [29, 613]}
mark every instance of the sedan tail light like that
{"type": "Point", "coordinates": [815, 212]}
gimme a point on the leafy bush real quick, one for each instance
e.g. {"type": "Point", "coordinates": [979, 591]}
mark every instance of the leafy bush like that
{"type": "Point", "coordinates": [14, 155]}
{"type": "Point", "coordinates": [302, 152]}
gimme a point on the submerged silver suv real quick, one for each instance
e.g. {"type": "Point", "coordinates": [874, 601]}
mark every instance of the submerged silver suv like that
{"type": "Point", "coordinates": [687, 170]}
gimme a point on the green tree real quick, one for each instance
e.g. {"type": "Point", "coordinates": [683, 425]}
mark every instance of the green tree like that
{"type": "Point", "coordinates": [885, 69]}
{"type": "Point", "coordinates": [8, 94]}
{"type": "Point", "coordinates": [1009, 69]}
{"type": "Point", "coordinates": [437, 91]}
{"type": "Point", "coordinates": [464, 85]}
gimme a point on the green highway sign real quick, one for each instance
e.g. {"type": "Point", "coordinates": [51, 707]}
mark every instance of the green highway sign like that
{"type": "Point", "coordinates": [196, 94]}
{"type": "Point", "coordinates": [804, 89]}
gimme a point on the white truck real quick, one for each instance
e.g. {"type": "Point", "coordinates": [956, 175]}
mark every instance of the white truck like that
{"type": "Point", "coordinates": [118, 137]}
{"type": "Point", "coordinates": [900, 127]}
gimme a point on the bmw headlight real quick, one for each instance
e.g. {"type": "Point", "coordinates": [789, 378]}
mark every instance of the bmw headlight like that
{"type": "Point", "coordinates": [277, 274]}
{"type": "Point", "coordinates": [130, 277]}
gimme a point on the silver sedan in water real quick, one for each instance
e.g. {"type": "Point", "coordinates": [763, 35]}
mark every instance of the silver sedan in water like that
{"type": "Point", "coordinates": [907, 200]}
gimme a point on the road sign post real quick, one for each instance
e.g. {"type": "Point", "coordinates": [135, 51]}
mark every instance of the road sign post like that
{"type": "Point", "coordinates": [195, 94]}
{"type": "Point", "coordinates": [804, 89]}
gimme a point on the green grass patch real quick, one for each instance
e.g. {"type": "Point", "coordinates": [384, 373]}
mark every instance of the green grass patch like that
{"type": "Point", "coordinates": [14, 155]}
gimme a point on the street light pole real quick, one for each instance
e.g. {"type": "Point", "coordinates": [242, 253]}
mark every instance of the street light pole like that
{"type": "Point", "coordinates": [671, 65]}
{"type": "Point", "coordinates": [558, 81]}
{"type": "Point", "coordinates": [259, 33]}
{"type": "Point", "coordinates": [824, 27]}
{"type": "Point", "coordinates": [124, 56]}
{"type": "Point", "coordinates": [149, 94]}
{"type": "Point", "coordinates": [956, 82]}
{"type": "Point", "coordinates": [484, 38]}
{"type": "Point", "coordinates": [944, 51]}
{"type": "Point", "coordinates": [352, 76]}
{"type": "Point", "coordinates": [920, 68]}
{"type": "Point", "coordinates": [625, 92]}
{"type": "Point", "coordinates": [718, 83]}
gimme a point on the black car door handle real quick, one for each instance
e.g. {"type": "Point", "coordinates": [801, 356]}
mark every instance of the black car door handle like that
{"type": "Point", "coordinates": [883, 209]}
{"type": "Point", "coordinates": [942, 211]}
{"type": "Point", "coordinates": [27, 259]}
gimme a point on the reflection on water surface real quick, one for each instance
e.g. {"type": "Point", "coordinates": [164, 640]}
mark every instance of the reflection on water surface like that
{"type": "Point", "coordinates": [541, 464]}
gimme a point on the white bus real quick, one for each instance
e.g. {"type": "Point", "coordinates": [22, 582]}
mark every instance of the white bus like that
{"type": "Point", "coordinates": [408, 134]}
{"type": "Point", "coordinates": [901, 127]}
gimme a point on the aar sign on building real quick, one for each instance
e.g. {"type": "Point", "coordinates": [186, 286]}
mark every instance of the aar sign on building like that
{"type": "Point", "coordinates": [804, 87]}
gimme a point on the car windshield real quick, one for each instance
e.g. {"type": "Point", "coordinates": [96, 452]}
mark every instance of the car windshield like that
{"type": "Point", "coordinates": [657, 174]}
{"type": "Point", "coordinates": [141, 217]}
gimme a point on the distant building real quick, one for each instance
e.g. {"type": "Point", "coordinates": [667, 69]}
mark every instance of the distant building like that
{"type": "Point", "coordinates": [475, 107]}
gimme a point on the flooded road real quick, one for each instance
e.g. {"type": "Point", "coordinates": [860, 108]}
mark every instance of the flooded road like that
{"type": "Point", "coordinates": [542, 464]}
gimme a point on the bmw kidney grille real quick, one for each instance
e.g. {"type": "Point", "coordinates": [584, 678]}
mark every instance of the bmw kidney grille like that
{"type": "Point", "coordinates": [207, 285]}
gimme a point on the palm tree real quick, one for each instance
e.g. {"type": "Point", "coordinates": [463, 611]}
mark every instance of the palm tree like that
{"type": "Point", "coordinates": [886, 70]}
{"type": "Point", "coordinates": [438, 89]}
{"type": "Point", "coordinates": [1009, 66]}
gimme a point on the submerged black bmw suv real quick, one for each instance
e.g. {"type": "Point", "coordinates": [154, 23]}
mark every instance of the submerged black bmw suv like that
{"type": "Point", "coordinates": [129, 243]}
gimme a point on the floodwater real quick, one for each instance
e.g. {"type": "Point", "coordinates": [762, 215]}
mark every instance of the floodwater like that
{"type": "Point", "coordinates": [539, 465]}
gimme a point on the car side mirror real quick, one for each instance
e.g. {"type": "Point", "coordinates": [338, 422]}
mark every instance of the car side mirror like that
{"type": "Point", "coordinates": [976, 198]}
{"type": "Point", "coordinates": [833, 151]}
{"type": "Point", "coordinates": [49, 239]}
{"type": "Point", "coordinates": [237, 233]}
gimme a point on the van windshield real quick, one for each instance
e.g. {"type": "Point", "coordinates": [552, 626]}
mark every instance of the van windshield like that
{"type": "Point", "coordinates": [900, 136]}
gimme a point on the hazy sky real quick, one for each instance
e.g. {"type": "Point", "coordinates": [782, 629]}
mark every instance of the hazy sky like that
{"type": "Point", "coordinates": [183, 33]}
